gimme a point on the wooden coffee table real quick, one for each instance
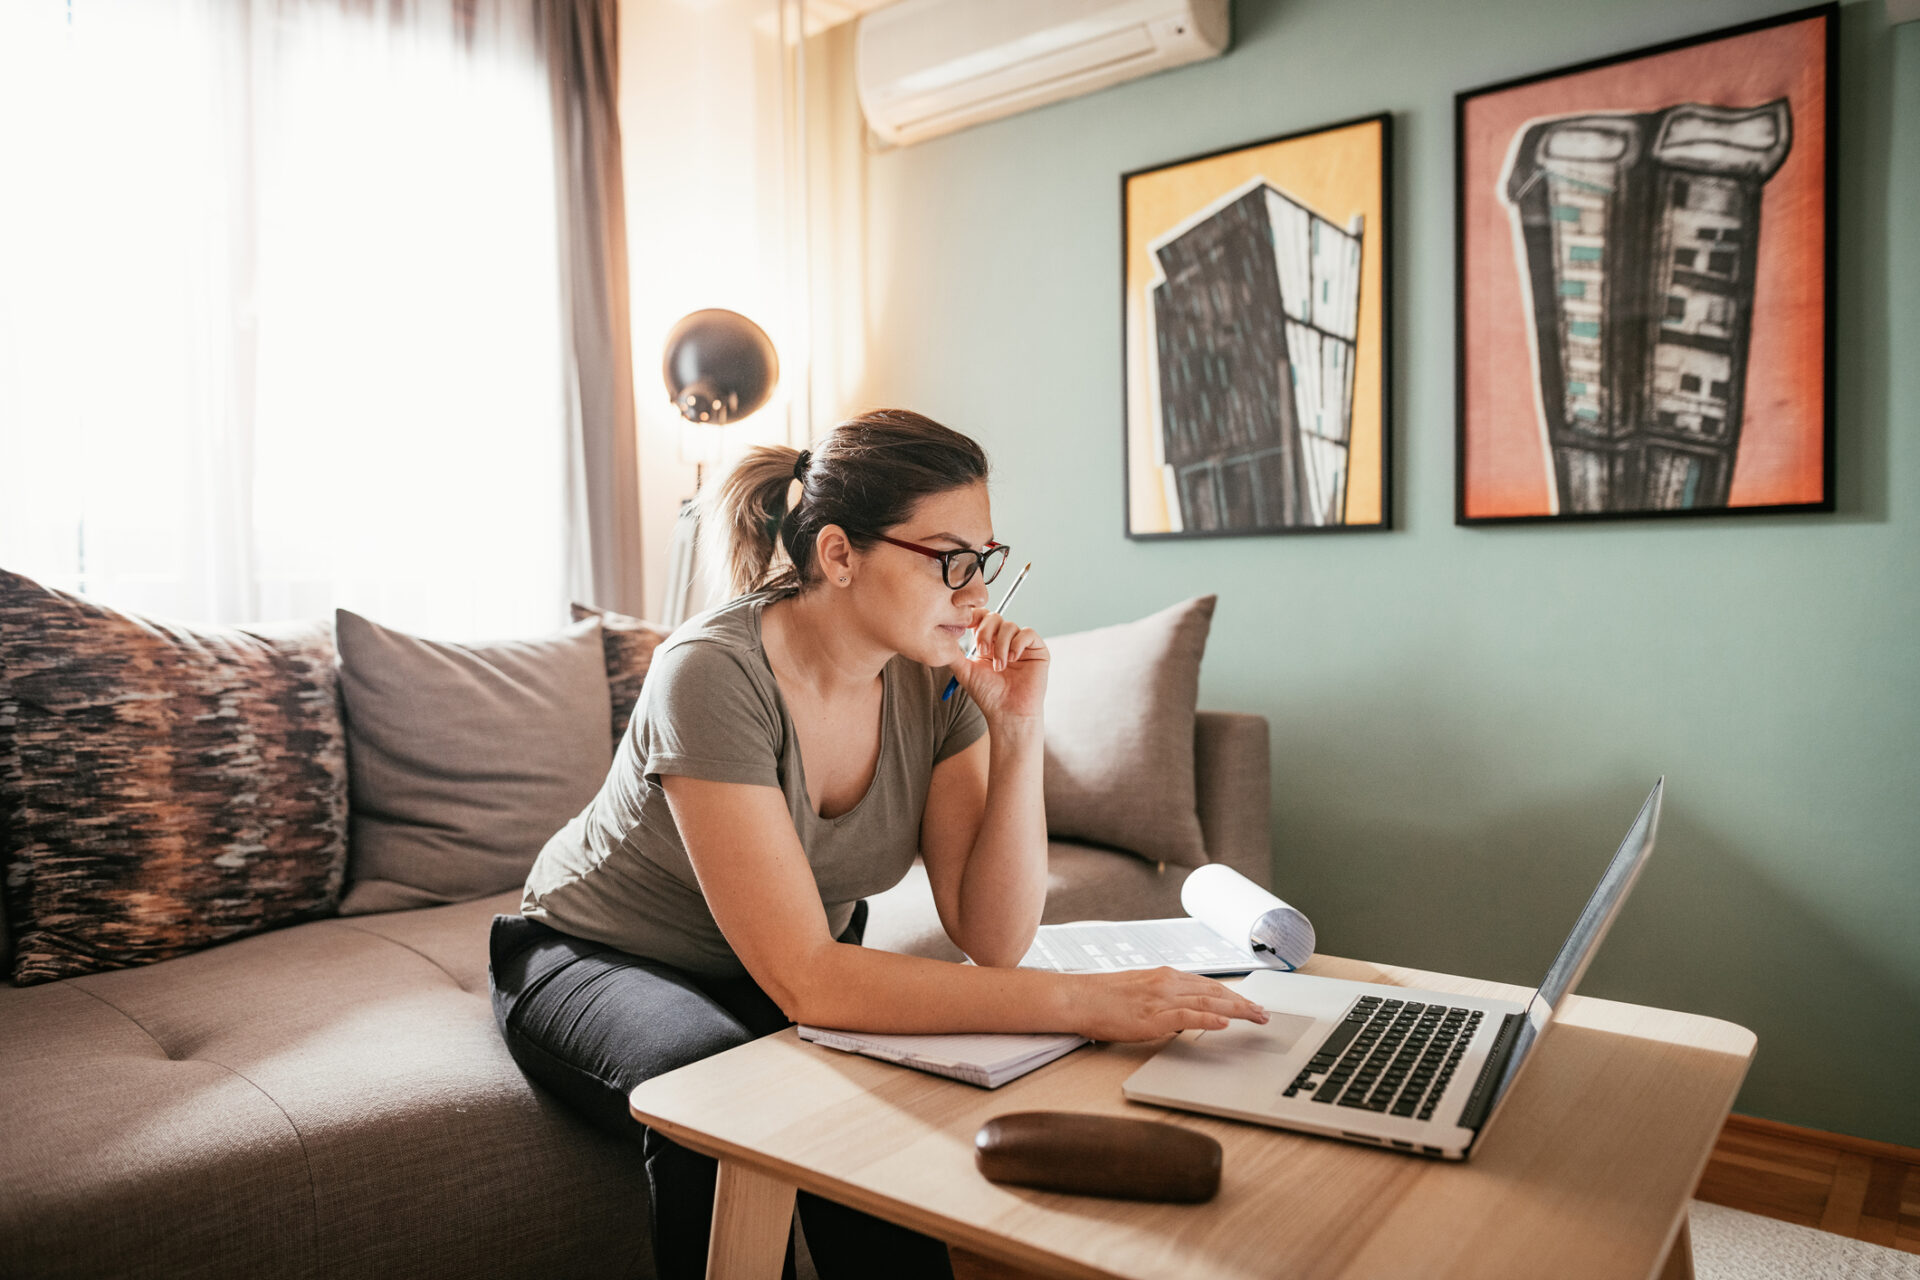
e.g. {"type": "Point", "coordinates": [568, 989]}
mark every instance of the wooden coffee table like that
{"type": "Point", "coordinates": [1587, 1173]}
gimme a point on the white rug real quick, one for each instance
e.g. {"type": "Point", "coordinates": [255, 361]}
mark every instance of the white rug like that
{"type": "Point", "coordinates": [1729, 1244]}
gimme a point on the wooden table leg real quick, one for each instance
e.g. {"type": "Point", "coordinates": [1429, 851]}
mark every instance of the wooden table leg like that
{"type": "Point", "coordinates": [752, 1214]}
{"type": "Point", "coordinates": [1680, 1258]}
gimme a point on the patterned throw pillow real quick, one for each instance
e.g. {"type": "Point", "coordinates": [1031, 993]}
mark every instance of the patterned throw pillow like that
{"type": "Point", "coordinates": [163, 787]}
{"type": "Point", "coordinates": [629, 643]}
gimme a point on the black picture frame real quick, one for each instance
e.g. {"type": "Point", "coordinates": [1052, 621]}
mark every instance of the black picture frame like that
{"type": "Point", "coordinates": [1678, 455]}
{"type": "Point", "coordinates": [1374, 262]}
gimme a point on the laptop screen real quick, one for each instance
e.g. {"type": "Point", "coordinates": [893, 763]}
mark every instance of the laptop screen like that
{"type": "Point", "coordinates": [1580, 945]}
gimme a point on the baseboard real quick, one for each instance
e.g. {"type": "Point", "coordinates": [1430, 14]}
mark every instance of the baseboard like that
{"type": "Point", "coordinates": [1820, 1137]}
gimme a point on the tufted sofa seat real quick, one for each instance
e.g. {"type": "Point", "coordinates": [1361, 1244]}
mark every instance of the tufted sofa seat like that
{"type": "Point", "coordinates": [332, 1099]}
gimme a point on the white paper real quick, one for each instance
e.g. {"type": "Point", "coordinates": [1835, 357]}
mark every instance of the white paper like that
{"type": "Point", "coordinates": [1238, 909]}
{"type": "Point", "coordinates": [1115, 946]}
{"type": "Point", "coordinates": [987, 1059]}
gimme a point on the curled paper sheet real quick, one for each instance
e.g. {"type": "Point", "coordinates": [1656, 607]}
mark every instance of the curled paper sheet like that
{"type": "Point", "coordinates": [1238, 909]}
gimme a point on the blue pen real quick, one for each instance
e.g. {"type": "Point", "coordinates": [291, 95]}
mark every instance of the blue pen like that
{"type": "Point", "coordinates": [953, 682]}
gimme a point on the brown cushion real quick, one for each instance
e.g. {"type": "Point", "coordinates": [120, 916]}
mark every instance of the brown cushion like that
{"type": "Point", "coordinates": [1120, 706]}
{"type": "Point", "coordinates": [109, 1143]}
{"type": "Point", "coordinates": [629, 645]}
{"type": "Point", "coordinates": [465, 757]}
{"type": "Point", "coordinates": [164, 787]}
{"type": "Point", "coordinates": [336, 1092]}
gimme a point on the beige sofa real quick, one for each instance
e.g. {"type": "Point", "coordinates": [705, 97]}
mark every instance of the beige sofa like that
{"type": "Point", "coordinates": [332, 1099]}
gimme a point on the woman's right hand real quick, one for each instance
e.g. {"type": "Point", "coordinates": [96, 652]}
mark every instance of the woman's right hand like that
{"type": "Point", "coordinates": [1149, 1003]}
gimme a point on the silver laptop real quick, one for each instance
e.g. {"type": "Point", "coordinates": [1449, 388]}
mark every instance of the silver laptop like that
{"type": "Point", "coordinates": [1416, 1071]}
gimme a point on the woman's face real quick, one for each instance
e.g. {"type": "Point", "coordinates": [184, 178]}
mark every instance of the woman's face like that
{"type": "Point", "coordinates": [904, 595]}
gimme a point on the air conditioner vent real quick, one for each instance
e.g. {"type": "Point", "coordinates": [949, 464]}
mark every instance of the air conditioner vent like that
{"type": "Point", "coordinates": [928, 67]}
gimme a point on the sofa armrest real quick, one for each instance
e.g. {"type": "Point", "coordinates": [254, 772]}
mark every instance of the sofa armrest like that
{"type": "Point", "coordinates": [1233, 785]}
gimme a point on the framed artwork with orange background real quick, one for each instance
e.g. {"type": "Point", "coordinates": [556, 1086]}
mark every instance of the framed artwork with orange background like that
{"type": "Point", "coordinates": [1645, 252]}
{"type": "Point", "coordinates": [1255, 338]}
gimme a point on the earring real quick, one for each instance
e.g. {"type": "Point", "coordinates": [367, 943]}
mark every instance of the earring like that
{"type": "Point", "coordinates": [843, 582]}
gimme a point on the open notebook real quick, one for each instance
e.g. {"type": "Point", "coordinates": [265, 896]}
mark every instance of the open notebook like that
{"type": "Point", "coordinates": [1232, 925]}
{"type": "Point", "coordinates": [988, 1060]}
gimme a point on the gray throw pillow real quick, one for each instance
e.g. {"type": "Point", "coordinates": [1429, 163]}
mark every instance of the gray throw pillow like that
{"type": "Point", "coordinates": [1120, 707]}
{"type": "Point", "coordinates": [463, 758]}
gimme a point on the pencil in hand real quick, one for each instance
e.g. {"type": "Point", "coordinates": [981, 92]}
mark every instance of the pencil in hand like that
{"type": "Point", "coordinates": [953, 682]}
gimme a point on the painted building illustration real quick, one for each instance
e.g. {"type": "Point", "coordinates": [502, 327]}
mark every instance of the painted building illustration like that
{"type": "Point", "coordinates": [1254, 317]}
{"type": "Point", "coordinates": [1638, 240]}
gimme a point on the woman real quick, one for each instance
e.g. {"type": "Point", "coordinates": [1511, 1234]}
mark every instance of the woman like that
{"type": "Point", "coordinates": [789, 756]}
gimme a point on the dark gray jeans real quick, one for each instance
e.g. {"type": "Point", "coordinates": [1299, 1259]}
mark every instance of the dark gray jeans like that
{"type": "Point", "coordinates": [590, 1022]}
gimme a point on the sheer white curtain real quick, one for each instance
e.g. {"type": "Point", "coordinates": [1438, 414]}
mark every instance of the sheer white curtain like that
{"type": "Point", "coordinates": [280, 314]}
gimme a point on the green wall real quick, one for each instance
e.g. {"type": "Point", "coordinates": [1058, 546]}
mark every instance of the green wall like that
{"type": "Point", "coordinates": [1465, 720]}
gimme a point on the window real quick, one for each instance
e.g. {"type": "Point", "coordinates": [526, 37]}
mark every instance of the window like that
{"type": "Point", "coordinates": [280, 328]}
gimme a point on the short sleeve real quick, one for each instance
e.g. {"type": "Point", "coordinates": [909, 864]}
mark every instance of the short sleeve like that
{"type": "Point", "coordinates": [703, 715]}
{"type": "Point", "coordinates": [962, 724]}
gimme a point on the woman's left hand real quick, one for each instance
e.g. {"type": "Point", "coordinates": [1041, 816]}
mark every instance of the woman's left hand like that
{"type": "Point", "coordinates": [1007, 675]}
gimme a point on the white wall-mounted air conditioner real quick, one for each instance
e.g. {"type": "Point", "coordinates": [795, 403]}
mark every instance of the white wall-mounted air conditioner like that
{"type": "Point", "coordinates": [928, 67]}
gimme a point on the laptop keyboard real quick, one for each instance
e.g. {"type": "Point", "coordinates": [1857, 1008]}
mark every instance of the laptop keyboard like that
{"type": "Point", "coordinates": [1393, 1056]}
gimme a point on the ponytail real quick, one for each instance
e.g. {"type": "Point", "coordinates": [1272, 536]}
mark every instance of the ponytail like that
{"type": "Point", "coordinates": [750, 508]}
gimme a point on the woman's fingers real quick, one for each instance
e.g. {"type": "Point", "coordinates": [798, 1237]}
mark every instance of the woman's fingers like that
{"type": "Point", "coordinates": [995, 639]}
{"type": "Point", "coordinates": [988, 649]}
{"type": "Point", "coordinates": [1148, 1004]}
{"type": "Point", "coordinates": [1191, 1002]}
{"type": "Point", "coordinates": [1224, 1002]}
{"type": "Point", "coordinates": [1227, 1008]}
{"type": "Point", "coordinates": [983, 633]}
{"type": "Point", "coordinates": [1001, 643]}
{"type": "Point", "coordinates": [1217, 997]}
{"type": "Point", "coordinates": [1174, 1020]}
{"type": "Point", "coordinates": [1025, 641]}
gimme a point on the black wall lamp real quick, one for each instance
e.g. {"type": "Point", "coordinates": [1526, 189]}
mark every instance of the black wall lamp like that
{"type": "Point", "coordinates": [719, 366]}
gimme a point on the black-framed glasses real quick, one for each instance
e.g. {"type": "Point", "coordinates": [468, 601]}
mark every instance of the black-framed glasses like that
{"type": "Point", "coordinates": [961, 564]}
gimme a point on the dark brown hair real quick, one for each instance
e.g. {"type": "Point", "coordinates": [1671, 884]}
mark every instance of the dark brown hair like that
{"type": "Point", "coordinates": [865, 475]}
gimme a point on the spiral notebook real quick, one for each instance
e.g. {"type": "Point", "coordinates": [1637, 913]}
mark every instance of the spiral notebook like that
{"type": "Point", "coordinates": [988, 1060]}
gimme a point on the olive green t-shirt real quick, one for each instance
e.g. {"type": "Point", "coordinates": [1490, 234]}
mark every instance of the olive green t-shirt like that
{"type": "Point", "coordinates": [619, 874]}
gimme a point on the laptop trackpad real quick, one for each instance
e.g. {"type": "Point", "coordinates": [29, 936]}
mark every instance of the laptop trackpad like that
{"type": "Point", "coordinates": [1282, 1032]}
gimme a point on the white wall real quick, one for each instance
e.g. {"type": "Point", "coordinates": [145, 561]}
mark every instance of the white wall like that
{"type": "Point", "coordinates": [713, 200]}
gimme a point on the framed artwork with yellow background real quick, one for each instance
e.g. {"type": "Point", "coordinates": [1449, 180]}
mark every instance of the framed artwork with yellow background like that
{"type": "Point", "coordinates": [1254, 322]}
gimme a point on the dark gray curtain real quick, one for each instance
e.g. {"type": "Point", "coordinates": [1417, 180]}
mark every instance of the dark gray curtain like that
{"type": "Point", "coordinates": [582, 40]}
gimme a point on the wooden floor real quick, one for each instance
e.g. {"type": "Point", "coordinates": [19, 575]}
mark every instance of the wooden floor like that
{"type": "Point", "coordinates": [1849, 1186]}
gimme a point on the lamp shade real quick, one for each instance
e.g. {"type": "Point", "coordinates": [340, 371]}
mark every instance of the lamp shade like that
{"type": "Point", "coordinates": [719, 366]}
